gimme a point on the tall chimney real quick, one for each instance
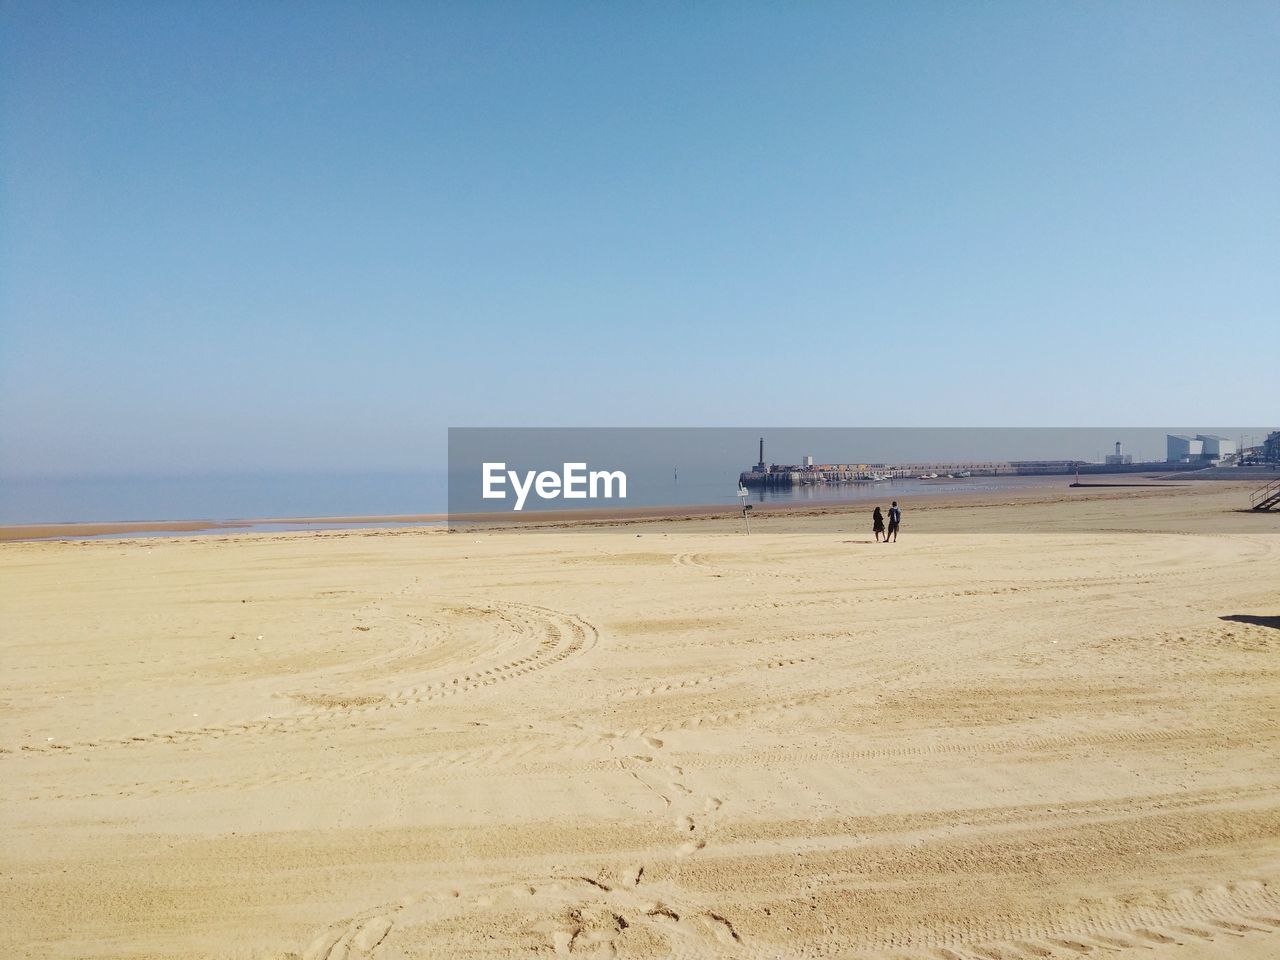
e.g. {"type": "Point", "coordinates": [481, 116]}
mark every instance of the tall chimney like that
{"type": "Point", "coordinates": [762, 451]}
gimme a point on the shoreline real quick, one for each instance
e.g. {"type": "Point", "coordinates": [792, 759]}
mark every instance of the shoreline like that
{"type": "Point", "coordinates": [83, 529]}
{"type": "Point", "coordinates": [595, 518]}
{"type": "Point", "coordinates": [99, 529]}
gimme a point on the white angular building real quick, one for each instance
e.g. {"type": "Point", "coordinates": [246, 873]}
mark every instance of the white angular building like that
{"type": "Point", "coordinates": [1215, 447]}
{"type": "Point", "coordinates": [1182, 448]}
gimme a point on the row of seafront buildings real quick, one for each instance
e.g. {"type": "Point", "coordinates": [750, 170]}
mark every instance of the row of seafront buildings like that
{"type": "Point", "coordinates": [1183, 452]}
{"type": "Point", "coordinates": [1204, 448]}
{"type": "Point", "coordinates": [789, 475]}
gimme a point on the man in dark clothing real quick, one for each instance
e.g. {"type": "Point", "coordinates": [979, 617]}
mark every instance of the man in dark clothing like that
{"type": "Point", "coordinates": [895, 517]}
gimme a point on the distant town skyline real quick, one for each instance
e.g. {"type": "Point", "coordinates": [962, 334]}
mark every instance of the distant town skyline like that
{"type": "Point", "coordinates": [275, 237]}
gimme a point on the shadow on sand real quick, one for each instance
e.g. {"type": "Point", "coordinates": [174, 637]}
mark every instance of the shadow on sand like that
{"type": "Point", "coordinates": [1272, 622]}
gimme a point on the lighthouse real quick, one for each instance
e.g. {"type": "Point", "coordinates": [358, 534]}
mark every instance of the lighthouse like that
{"type": "Point", "coordinates": [1119, 459]}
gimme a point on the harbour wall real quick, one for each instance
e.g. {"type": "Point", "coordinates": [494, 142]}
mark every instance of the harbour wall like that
{"type": "Point", "coordinates": [792, 476]}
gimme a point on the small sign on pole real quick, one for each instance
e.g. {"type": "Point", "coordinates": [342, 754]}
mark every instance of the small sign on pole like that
{"type": "Point", "coordinates": [746, 516]}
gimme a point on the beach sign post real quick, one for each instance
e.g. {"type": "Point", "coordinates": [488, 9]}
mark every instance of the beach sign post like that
{"type": "Point", "coordinates": [746, 517]}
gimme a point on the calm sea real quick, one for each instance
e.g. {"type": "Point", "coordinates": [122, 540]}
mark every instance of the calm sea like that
{"type": "Point", "coordinates": [241, 497]}
{"type": "Point", "coordinates": [220, 497]}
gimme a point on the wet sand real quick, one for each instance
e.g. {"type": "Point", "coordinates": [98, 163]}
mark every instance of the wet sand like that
{"type": "Point", "coordinates": [1039, 725]}
{"type": "Point", "coordinates": [1222, 497]}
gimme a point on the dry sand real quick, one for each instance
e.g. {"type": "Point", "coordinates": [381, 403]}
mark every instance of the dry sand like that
{"type": "Point", "coordinates": [1055, 738]}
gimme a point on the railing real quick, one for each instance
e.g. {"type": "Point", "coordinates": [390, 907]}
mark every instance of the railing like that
{"type": "Point", "coordinates": [1263, 494]}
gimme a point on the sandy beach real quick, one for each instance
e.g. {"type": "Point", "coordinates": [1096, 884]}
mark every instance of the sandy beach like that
{"type": "Point", "coordinates": [1041, 725]}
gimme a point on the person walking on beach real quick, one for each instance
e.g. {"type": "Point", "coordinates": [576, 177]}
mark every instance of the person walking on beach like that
{"type": "Point", "coordinates": [877, 523]}
{"type": "Point", "coordinates": [895, 517]}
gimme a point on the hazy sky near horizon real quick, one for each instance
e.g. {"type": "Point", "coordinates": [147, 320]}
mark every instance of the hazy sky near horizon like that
{"type": "Point", "coordinates": [240, 236]}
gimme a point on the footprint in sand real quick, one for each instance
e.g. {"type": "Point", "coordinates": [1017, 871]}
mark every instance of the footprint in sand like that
{"type": "Point", "coordinates": [357, 939]}
{"type": "Point", "coordinates": [690, 848]}
{"type": "Point", "coordinates": [720, 927]}
{"type": "Point", "coordinates": [562, 941]}
{"type": "Point", "coordinates": [660, 911]}
{"type": "Point", "coordinates": [371, 934]}
{"type": "Point", "coordinates": [322, 947]}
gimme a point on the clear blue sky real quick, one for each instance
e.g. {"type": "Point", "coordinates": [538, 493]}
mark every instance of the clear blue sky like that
{"type": "Point", "coordinates": [305, 235]}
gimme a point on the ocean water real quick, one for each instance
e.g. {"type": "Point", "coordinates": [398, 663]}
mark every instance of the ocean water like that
{"type": "Point", "coordinates": [887, 491]}
{"type": "Point", "coordinates": [220, 497]}
{"type": "Point", "coordinates": [676, 466]}
{"type": "Point", "coordinates": [262, 496]}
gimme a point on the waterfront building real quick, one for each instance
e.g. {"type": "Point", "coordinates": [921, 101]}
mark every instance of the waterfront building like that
{"type": "Point", "coordinates": [1215, 447]}
{"type": "Point", "coordinates": [1182, 448]}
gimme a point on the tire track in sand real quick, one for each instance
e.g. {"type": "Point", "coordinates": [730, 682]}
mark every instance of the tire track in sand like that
{"type": "Point", "coordinates": [1093, 928]}
{"type": "Point", "coordinates": [548, 637]}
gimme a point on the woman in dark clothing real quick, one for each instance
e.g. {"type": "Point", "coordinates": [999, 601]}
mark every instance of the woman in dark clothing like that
{"type": "Point", "coordinates": [877, 523]}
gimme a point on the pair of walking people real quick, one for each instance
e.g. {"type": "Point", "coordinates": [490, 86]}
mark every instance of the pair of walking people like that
{"type": "Point", "coordinates": [877, 523]}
